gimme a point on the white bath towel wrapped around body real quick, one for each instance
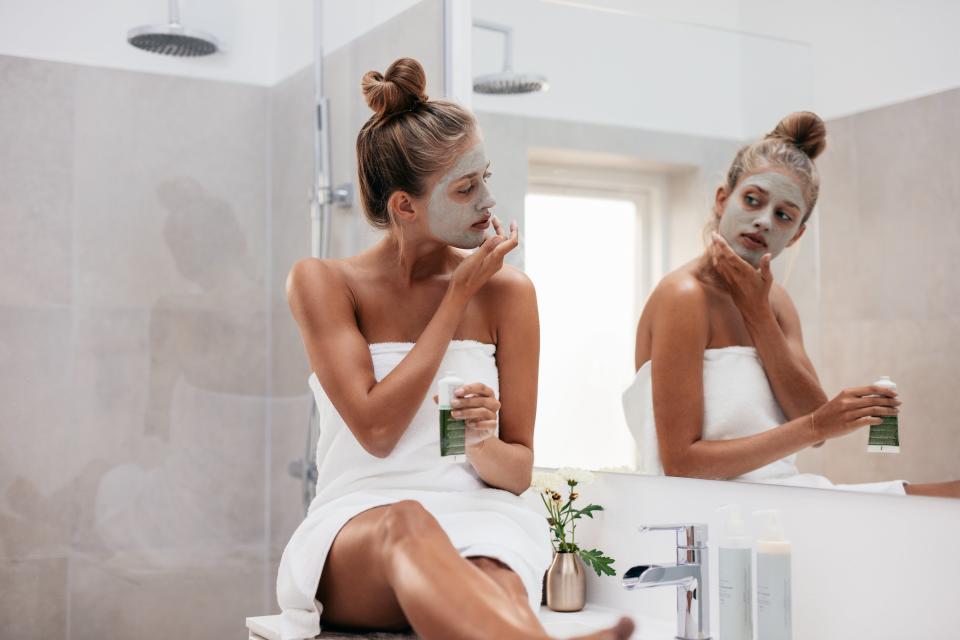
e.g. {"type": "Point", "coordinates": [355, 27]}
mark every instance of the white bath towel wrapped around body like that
{"type": "Point", "coordinates": [479, 520]}
{"type": "Point", "coordinates": [737, 402]}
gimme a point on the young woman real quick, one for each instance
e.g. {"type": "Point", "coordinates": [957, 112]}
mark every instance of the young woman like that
{"type": "Point", "coordinates": [396, 536]}
{"type": "Point", "coordinates": [724, 387]}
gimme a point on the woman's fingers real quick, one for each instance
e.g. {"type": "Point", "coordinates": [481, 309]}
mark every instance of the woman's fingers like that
{"type": "Point", "coordinates": [871, 391]}
{"type": "Point", "coordinates": [473, 389]}
{"type": "Point", "coordinates": [875, 411]}
{"type": "Point", "coordinates": [497, 227]}
{"type": "Point", "coordinates": [475, 401]}
{"type": "Point", "coordinates": [477, 413]}
{"type": "Point", "coordinates": [870, 401]}
{"type": "Point", "coordinates": [482, 425]}
{"type": "Point", "coordinates": [510, 243]}
{"type": "Point", "coordinates": [765, 266]}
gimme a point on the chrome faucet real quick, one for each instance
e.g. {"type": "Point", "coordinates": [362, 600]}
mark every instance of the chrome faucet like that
{"type": "Point", "coordinates": [689, 575]}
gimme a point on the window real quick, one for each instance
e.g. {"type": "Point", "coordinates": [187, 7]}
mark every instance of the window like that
{"type": "Point", "coordinates": [593, 254]}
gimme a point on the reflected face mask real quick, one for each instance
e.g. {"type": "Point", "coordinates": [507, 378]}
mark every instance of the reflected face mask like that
{"type": "Point", "coordinates": [460, 200]}
{"type": "Point", "coordinates": [762, 215]}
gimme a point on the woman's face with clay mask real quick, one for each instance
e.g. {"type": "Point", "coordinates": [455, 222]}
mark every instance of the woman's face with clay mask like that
{"type": "Point", "coordinates": [458, 205]}
{"type": "Point", "coordinates": [764, 214]}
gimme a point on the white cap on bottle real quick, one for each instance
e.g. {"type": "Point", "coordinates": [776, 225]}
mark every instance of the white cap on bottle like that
{"type": "Point", "coordinates": [445, 388]}
{"type": "Point", "coordinates": [772, 538]}
{"type": "Point", "coordinates": [886, 383]}
{"type": "Point", "coordinates": [734, 528]}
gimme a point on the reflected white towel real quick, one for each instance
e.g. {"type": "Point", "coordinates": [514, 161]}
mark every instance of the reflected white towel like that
{"type": "Point", "coordinates": [478, 519]}
{"type": "Point", "coordinates": [737, 402]}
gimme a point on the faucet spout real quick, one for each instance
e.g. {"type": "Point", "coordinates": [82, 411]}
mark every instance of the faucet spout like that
{"type": "Point", "coordinates": [656, 575]}
{"type": "Point", "coordinates": [688, 575]}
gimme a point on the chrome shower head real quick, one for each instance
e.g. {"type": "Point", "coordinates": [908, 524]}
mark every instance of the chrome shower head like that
{"type": "Point", "coordinates": [173, 38]}
{"type": "Point", "coordinates": [507, 82]}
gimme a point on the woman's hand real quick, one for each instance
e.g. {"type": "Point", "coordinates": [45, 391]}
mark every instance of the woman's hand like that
{"type": "Point", "coordinates": [852, 409]}
{"type": "Point", "coordinates": [749, 286]}
{"type": "Point", "coordinates": [477, 406]}
{"type": "Point", "coordinates": [474, 272]}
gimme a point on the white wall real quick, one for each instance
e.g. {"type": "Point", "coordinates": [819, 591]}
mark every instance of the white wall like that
{"type": "Point", "coordinates": [613, 69]}
{"type": "Point", "coordinates": [264, 41]}
{"type": "Point", "coordinates": [867, 53]}
{"type": "Point", "coordinates": [863, 565]}
{"type": "Point", "coordinates": [724, 69]}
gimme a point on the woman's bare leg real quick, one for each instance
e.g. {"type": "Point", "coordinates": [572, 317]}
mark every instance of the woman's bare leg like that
{"type": "Point", "coordinates": [937, 489]}
{"type": "Point", "coordinates": [394, 565]}
{"type": "Point", "coordinates": [511, 584]}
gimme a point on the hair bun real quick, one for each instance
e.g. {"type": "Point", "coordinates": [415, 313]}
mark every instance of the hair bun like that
{"type": "Point", "coordinates": [805, 130]}
{"type": "Point", "coordinates": [399, 89]}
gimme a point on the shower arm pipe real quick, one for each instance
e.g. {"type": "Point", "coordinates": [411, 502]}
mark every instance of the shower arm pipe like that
{"type": "Point", "coordinates": [174, 11]}
{"type": "Point", "coordinates": [507, 40]}
{"type": "Point", "coordinates": [322, 197]}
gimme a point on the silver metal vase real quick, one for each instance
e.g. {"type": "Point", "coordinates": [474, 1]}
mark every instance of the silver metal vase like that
{"type": "Point", "coordinates": [566, 582]}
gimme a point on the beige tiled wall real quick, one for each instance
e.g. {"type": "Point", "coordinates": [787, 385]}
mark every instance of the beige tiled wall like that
{"type": "Point", "coordinates": [135, 325]}
{"type": "Point", "coordinates": [889, 235]}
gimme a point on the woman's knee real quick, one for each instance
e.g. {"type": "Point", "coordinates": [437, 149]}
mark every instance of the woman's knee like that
{"type": "Point", "coordinates": [406, 520]}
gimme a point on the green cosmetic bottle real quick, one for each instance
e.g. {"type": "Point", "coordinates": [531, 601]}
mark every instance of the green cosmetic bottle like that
{"type": "Point", "coordinates": [885, 437]}
{"type": "Point", "coordinates": [452, 431]}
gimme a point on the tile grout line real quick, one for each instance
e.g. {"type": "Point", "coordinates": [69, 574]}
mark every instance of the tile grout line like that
{"type": "Point", "coordinates": [268, 404]}
{"type": "Point", "coordinates": [74, 286]}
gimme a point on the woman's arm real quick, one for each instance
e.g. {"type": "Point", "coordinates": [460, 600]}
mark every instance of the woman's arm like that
{"type": "Point", "coordinates": [776, 336]}
{"type": "Point", "coordinates": [779, 342]}
{"type": "Point", "coordinates": [507, 462]}
{"type": "Point", "coordinates": [680, 334]}
{"type": "Point", "coordinates": [378, 413]}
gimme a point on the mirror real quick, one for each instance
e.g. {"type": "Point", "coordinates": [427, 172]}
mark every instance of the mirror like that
{"type": "Point", "coordinates": [613, 172]}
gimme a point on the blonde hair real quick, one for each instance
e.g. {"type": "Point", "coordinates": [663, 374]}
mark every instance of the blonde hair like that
{"type": "Point", "coordinates": [408, 138]}
{"type": "Point", "coordinates": [792, 145]}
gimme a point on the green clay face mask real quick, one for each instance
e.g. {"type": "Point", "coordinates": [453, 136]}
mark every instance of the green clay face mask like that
{"type": "Point", "coordinates": [756, 219]}
{"type": "Point", "coordinates": [460, 217]}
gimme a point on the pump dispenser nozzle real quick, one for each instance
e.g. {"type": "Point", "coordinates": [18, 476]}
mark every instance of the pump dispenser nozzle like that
{"type": "Point", "coordinates": [734, 528]}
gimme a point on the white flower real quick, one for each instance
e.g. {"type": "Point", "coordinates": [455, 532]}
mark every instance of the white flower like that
{"type": "Point", "coordinates": [578, 476]}
{"type": "Point", "coordinates": [547, 481]}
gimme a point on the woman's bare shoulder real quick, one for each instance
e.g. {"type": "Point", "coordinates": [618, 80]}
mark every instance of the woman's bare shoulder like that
{"type": "Point", "coordinates": [509, 284]}
{"type": "Point", "coordinates": [679, 288]}
{"type": "Point", "coordinates": [311, 272]}
{"type": "Point", "coordinates": [314, 280]}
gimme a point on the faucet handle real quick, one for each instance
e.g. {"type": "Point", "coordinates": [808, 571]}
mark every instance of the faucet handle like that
{"type": "Point", "coordinates": [689, 536]}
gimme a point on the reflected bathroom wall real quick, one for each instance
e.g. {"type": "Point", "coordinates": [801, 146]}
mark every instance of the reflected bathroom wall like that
{"type": "Point", "coordinates": [891, 181]}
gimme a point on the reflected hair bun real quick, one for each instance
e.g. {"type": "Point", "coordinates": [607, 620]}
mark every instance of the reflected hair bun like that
{"type": "Point", "coordinates": [803, 129]}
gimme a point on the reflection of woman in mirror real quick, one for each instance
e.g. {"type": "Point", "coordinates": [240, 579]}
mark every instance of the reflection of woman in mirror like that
{"type": "Point", "coordinates": [724, 387]}
{"type": "Point", "coordinates": [396, 536]}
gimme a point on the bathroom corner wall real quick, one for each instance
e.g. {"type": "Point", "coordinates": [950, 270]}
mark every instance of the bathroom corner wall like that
{"type": "Point", "coordinates": [889, 286]}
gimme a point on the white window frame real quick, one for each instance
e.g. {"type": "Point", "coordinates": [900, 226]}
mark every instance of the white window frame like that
{"type": "Point", "coordinates": [646, 190]}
